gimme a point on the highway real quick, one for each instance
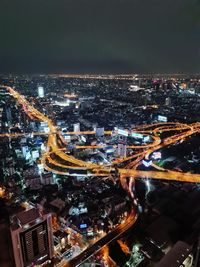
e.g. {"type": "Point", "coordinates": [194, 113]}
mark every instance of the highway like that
{"type": "Point", "coordinates": [162, 175]}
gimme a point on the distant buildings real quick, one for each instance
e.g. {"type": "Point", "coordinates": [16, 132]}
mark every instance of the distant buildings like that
{"type": "Point", "coordinates": [86, 203]}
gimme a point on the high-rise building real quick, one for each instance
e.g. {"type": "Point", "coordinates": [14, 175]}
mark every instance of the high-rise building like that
{"type": "Point", "coordinates": [77, 127]}
{"type": "Point", "coordinates": [121, 150]}
{"type": "Point", "coordinates": [40, 91]}
{"type": "Point", "coordinates": [99, 132]}
{"type": "Point", "coordinates": [32, 238]}
{"type": "Point", "coordinates": [167, 101]}
{"type": "Point", "coordinates": [7, 116]}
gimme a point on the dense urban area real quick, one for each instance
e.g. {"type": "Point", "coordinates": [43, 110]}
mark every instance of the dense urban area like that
{"type": "Point", "coordinates": [99, 170]}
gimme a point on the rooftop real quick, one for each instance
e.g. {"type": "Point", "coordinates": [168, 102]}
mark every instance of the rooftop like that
{"type": "Point", "coordinates": [28, 216]}
{"type": "Point", "coordinates": [176, 256]}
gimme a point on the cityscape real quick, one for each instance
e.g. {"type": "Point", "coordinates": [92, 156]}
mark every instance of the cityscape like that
{"type": "Point", "coordinates": [99, 170]}
{"type": "Point", "coordinates": [100, 133]}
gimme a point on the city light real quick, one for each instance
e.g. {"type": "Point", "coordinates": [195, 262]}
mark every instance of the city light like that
{"type": "Point", "coordinates": [147, 163]}
{"type": "Point", "coordinates": [76, 177]}
{"type": "Point", "coordinates": [157, 155]}
{"type": "Point", "coordinates": [2, 192]}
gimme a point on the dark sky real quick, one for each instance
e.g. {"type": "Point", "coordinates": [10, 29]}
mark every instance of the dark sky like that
{"type": "Point", "coordinates": [99, 36]}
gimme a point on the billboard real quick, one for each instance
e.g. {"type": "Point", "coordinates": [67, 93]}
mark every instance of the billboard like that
{"type": "Point", "coordinates": [83, 226]}
{"type": "Point", "coordinates": [137, 135]}
{"type": "Point", "coordinates": [35, 154]}
{"type": "Point", "coordinates": [43, 124]}
{"type": "Point", "coordinates": [122, 132]}
{"type": "Point", "coordinates": [162, 118]}
{"type": "Point", "coordinates": [67, 137]}
{"type": "Point", "coordinates": [156, 155]}
{"type": "Point", "coordinates": [146, 138]}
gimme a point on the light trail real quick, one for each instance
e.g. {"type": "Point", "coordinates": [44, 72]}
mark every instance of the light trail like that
{"type": "Point", "coordinates": [161, 175]}
{"type": "Point", "coordinates": [124, 247]}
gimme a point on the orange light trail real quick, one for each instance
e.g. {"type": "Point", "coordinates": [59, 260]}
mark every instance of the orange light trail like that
{"type": "Point", "coordinates": [124, 247]}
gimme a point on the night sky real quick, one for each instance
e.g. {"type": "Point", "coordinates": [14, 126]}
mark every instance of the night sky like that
{"type": "Point", "coordinates": [99, 36]}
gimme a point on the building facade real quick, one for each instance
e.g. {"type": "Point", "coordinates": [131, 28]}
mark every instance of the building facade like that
{"type": "Point", "coordinates": [32, 238]}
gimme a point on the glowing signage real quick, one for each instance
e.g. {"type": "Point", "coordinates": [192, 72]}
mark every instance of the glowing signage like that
{"type": "Point", "coordinates": [46, 129]}
{"type": "Point", "coordinates": [122, 132]}
{"type": "Point", "coordinates": [83, 226]}
{"type": "Point", "coordinates": [137, 135]}
{"type": "Point", "coordinates": [147, 163]}
{"type": "Point", "coordinates": [162, 118]}
{"type": "Point", "coordinates": [35, 154]}
{"type": "Point", "coordinates": [83, 139]}
{"type": "Point", "coordinates": [146, 138]}
{"type": "Point", "coordinates": [156, 155]}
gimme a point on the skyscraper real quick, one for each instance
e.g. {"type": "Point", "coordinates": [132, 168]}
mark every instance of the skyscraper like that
{"type": "Point", "coordinates": [100, 131]}
{"type": "Point", "coordinates": [32, 237]}
{"type": "Point", "coordinates": [121, 150]}
{"type": "Point", "coordinates": [7, 116]}
{"type": "Point", "coordinates": [77, 127]}
{"type": "Point", "coordinates": [40, 91]}
{"type": "Point", "coordinates": [167, 101]}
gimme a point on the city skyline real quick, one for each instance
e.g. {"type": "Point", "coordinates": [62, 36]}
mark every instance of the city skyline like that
{"type": "Point", "coordinates": [100, 133]}
{"type": "Point", "coordinates": [101, 176]}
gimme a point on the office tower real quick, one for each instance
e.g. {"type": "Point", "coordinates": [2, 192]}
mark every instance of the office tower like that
{"type": "Point", "coordinates": [40, 91]}
{"type": "Point", "coordinates": [99, 132]}
{"type": "Point", "coordinates": [121, 150]}
{"type": "Point", "coordinates": [32, 238]}
{"type": "Point", "coordinates": [77, 127]}
{"type": "Point", "coordinates": [6, 116]}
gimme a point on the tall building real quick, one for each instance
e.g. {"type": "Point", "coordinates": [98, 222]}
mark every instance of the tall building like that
{"type": "Point", "coordinates": [99, 132]}
{"type": "Point", "coordinates": [77, 127]}
{"type": "Point", "coordinates": [32, 238]}
{"type": "Point", "coordinates": [167, 101]}
{"type": "Point", "coordinates": [40, 91]}
{"type": "Point", "coordinates": [121, 150]}
{"type": "Point", "coordinates": [7, 116]}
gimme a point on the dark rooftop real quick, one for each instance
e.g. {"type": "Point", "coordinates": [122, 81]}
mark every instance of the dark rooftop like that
{"type": "Point", "coordinates": [176, 256]}
{"type": "Point", "coordinates": [28, 216]}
